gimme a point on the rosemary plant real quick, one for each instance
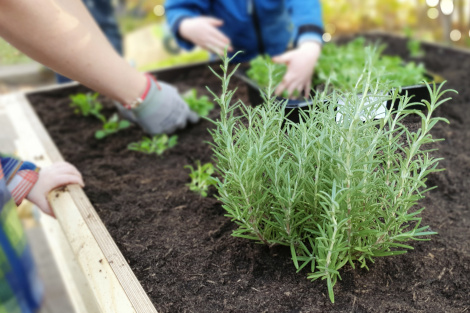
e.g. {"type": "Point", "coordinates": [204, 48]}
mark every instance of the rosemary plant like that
{"type": "Point", "coordinates": [336, 193]}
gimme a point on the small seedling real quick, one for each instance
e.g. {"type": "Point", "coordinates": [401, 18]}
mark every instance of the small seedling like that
{"type": "Point", "coordinates": [86, 104]}
{"type": "Point", "coordinates": [113, 125]}
{"type": "Point", "coordinates": [201, 178]}
{"type": "Point", "coordinates": [155, 145]}
{"type": "Point", "coordinates": [259, 72]}
{"type": "Point", "coordinates": [413, 45]}
{"type": "Point", "coordinates": [342, 67]}
{"type": "Point", "coordinates": [202, 106]}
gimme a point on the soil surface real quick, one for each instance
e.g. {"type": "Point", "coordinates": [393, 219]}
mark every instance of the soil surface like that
{"type": "Point", "coordinates": [180, 246]}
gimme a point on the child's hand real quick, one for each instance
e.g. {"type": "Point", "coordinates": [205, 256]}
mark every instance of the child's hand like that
{"type": "Point", "coordinates": [203, 32]}
{"type": "Point", "coordinates": [300, 65]}
{"type": "Point", "coordinates": [50, 178]}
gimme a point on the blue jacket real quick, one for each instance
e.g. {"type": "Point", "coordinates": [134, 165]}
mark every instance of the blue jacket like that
{"type": "Point", "coordinates": [253, 26]}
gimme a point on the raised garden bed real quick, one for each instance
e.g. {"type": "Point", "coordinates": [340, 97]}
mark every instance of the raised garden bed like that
{"type": "Point", "coordinates": [179, 244]}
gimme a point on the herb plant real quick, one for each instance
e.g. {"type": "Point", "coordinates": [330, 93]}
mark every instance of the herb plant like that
{"type": "Point", "coordinates": [113, 125]}
{"type": "Point", "coordinates": [201, 105]}
{"type": "Point", "coordinates": [413, 45]}
{"type": "Point", "coordinates": [87, 104]}
{"type": "Point", "coordinates": [335, 193]}
{"type": "Point", "coordinates": [201, 178]}
{"type": "Point", "coordinates": [342, 66]}
{"type": "Point", "coordinates": [155, 145]}
{"type": "Point", "coordinates": [258, 72]}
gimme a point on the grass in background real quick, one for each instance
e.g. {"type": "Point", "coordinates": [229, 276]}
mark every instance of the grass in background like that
{"type": "Point", "coordinates": [9, 55]}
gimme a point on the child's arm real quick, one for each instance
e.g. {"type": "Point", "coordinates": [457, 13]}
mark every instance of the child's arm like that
{"type": "Point", "coordinates": [191, 26]}
{"type": "Point", "coordinates": [26, 180]}
{"type": "Point", "coordinates": [19, 176]}
{"type": "Point", "coordinates": [307, 19]}
{"type": "Point", "coordinates": [203, 32]}
{"type": "Point", "coordinates": [300, 63]}
{"type": "Point", "coordinates": [308, 30]}
{"type": "Point", "coordinates": [52, 177]}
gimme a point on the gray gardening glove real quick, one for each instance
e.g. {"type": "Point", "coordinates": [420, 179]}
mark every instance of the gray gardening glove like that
{"type": "Point", "coordinates": [163, 111]}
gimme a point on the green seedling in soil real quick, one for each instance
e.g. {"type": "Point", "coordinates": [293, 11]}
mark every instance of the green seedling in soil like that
{"type": "Point", "coordinates": [334, 193]}
{"type": "Point", "coordinates": [158, 144]}
{"type": "Point", "coordinates": [413, 45]}
{"type": "Point", "coordinates": [112, 126]}
{"type": "Point", "coordinates": [258, 72]}
{"type": "Point", "coordinates": [341, 66]}
{"type": "Point", "coordinates": [201, 105]}
{"type": "Point", "coordinates": [86, 104]}
{"type": "Point", "coordinates": [201, 178]}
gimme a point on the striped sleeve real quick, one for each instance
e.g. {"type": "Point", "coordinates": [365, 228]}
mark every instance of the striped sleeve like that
{"type": "Point", "coordinates": [20, 177]}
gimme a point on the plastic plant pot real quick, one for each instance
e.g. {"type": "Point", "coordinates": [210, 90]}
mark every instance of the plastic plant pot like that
{"type": "Point", "coordinates": [417, 92]}
{"type": "Point", "coordinates": [293, 107]}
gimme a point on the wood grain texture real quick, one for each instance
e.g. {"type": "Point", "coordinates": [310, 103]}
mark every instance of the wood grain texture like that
{"type": "Point", "coordinates": [114, 287]}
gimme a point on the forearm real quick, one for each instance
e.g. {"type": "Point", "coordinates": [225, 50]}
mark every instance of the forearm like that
{"type": "Point", "coordinates": [178, 10]}
{"type": "Point", "coordinates": [20, 176]}
{"type": "Point", "coordinates": [62, 35]}
{"type": "Point", "coordinates": [307, 19]}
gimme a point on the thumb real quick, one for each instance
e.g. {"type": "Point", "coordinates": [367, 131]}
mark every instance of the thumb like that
{"type": "Point", "coordinates": [43, 204]}
{"type": "Point", "coordinates": [283, 58]}
{"type": "Point", "coordinates": [193, 117]}
{"type": "Point", "coordinates": [214, 21]}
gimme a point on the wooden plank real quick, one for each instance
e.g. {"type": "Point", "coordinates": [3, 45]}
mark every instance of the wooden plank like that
{"type": "Point", "coordinates": [76, 285]}
{"type": "Point", "coordinates": [56, 299]}
{"type": "Point", "coordinates": [435, 45]}
{"type": "Point", "coordinates": [112, 281]}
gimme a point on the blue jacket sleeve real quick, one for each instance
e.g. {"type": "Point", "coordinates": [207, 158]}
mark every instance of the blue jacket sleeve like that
{"type": "Point", "coordinates": [307, 19]}
{"type": "Point", "coordinates": [177, 10]}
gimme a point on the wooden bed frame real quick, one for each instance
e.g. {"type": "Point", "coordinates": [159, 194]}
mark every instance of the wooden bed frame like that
{"type": "Point", "coordinates": [96, 275]}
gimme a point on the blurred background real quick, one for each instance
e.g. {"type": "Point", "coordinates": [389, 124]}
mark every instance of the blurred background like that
{"type": "Point", "coordinates": [148, 45]}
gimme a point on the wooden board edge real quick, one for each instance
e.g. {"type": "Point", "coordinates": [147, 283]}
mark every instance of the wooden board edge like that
{"type": "Point", "coordinates": [424, 42]}
{"type": "Point", "coordinates": [78, 201]}
{"type": "Point", "coordinates": [53, 87]}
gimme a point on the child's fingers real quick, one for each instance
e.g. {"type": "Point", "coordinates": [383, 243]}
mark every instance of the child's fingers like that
{"type": "Point", "coordinates": [308, 86]}
{"type": "Point", "coordinates": [214, 21]}
{"type": "Point", "coordinates": [280, 89]}
{"type": "Point", "coordinates": [44, 206]}
{"type": "Point", "coordinates": [67, 179]}
{"type": "Point", "coordinates": [66, 168]}
{"type": "Point", "coordinates": [283, 58]}
{"type": "Point", "coordinates": [217, 36]}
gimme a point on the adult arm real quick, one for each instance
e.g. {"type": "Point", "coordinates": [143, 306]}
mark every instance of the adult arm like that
{"type": "Point", "coordinates": [62, 35]}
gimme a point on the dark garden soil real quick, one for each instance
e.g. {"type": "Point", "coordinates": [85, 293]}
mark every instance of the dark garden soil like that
{"type": "Point", "coordinates": [180, 245]}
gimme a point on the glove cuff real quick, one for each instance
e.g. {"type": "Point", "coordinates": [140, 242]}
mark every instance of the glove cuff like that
{"type": "Point", "coordinates": [134, 104]}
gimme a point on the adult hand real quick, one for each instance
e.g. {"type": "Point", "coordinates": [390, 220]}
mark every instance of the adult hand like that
{"type": "Point", "coordinates": [300, 66]}
{"type": "Point", "coordinates": [162, 111]}
{"type": "Point", "coordinates": [52, 177]}
{"type": "Point", "coordinates": [203, 32]}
